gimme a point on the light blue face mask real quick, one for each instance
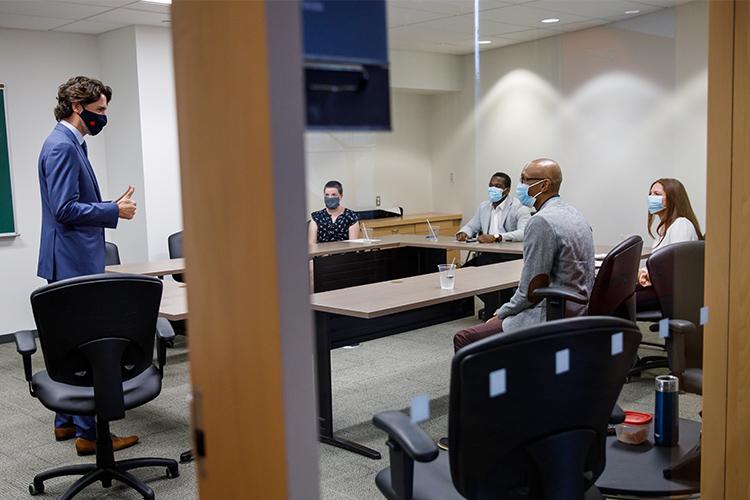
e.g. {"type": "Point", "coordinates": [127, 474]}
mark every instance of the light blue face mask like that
{"type": "Point", "coordinates": [655, 204]}
{"type": "Point", "coordinates": [495, 194]}
{"type": "Point", "coordinates": [522, 193]}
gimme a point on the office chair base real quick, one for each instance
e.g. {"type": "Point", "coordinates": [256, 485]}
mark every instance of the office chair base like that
{"type": "Point", "coordinates": [347, 445]}
{"type": "Point", "coordinates": [91, 473]}
{"type": "Point", "coordinates": [647, 363]}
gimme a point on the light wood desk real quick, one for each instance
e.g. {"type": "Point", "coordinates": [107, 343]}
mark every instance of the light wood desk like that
{"type": "Point", "coordinates": [367, 312]}
{"type": "Point", "coordinates": [390, 297]}
{"type": "Point", "coordinates": [173, 301]}
{"type": "Point", "coordinates": [176, 266]}
{"type": "Point", "coordinates": [154, 268]}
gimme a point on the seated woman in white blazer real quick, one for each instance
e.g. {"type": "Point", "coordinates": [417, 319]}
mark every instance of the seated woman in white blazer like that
{"type": "Point", "coordinates": [668, 202]}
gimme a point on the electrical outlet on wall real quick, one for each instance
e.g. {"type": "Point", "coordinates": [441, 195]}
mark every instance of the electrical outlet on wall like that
{"type": "Point", "coordinates": [377, 201]}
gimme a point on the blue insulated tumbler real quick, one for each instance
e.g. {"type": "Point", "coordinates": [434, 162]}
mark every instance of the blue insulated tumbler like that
{"type": "Point", "coordinates": [667, 411]}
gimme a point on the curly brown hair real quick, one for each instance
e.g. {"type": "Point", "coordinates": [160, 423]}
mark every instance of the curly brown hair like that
{"type": "Point", "coordinates": [80, 89]}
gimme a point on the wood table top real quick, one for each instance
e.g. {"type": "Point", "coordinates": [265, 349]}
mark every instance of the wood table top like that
{"type": "Point", "coordinates": [154, 268]}
{"type": "Point", "coordinates": [389, 297]}
{"type": "Point", "coordinates": [173, 301]}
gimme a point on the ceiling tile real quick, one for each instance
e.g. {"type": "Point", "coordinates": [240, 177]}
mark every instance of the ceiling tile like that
{"type": "Point", "coordinates": [662, 3]}
{"type": "Point", "coordinates": [48, 8]}
{"type": "Point", "coordinates": [29, 22]}
{"type": "Point", "coordinates": [465, 25]}
{"type": "Point", "coordinates": [401, 16]}
{"type": "Point", "coordinates": [112, 4]}
{"type": "Point", "coordinates": [129, 16]}
{"type": "Point", "coordinates": [534, 34]}
{"type": "Point", "coordinates": [151, 7]}
{"type": "Point", "coordinates": [90, 27]}
{"type": "Point", "coordinates": [529, 16]}
{"type": "Point", "coordinates": [446, 7]}
{"type": "Point", "coordinates": [583, 25]}
{"type": "Point", "coordinates": [589, 8]}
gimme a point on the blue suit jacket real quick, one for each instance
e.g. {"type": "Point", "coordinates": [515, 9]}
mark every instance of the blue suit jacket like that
{"type": "Point", "coordinates": [73, 214]}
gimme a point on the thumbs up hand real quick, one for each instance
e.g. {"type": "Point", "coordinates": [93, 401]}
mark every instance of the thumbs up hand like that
{"type": "Point", "coordinates": [125, 205]}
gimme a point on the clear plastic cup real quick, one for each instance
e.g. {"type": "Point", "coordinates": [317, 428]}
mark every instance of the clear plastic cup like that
{"type": "Point", "coordinates": [433, 235]}
{"type": "Point", "coordinates": [447, 276]}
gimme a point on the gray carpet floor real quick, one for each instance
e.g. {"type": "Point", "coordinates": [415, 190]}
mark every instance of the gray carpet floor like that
{"type": "Point", "coordinates": [378, 375]}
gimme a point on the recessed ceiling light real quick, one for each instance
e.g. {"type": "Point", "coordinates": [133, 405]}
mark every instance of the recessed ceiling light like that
{"type": "Point", "coordinates": [632, 12]}
{"type": "Point", "coordinates": [550, 20]}
{"type": "Point", "coordinates": [484, 42]}
{"type": "Point", "coordinates": [162, 2]}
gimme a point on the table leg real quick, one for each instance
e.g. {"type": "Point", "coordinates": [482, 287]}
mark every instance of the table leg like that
{"type": "Point", "coordinates": [325, 397]}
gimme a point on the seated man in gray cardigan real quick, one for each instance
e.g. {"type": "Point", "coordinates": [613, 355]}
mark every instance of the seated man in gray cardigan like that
{"type": "Point", "coordinates": [558, 250]}
{"type": "Point", "coordinates": [499, 218]}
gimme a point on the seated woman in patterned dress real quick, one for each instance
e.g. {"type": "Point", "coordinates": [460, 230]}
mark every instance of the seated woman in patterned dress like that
{"type": "Point", "coordinates": [335, 222]}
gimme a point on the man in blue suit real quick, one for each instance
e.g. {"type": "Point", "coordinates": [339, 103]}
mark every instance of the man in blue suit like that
{"type": "Point", "coordinates": [74, 215]}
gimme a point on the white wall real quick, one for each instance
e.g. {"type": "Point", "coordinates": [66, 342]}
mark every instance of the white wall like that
{"type": "Point", "coordinates": [161, 161]}
{"type": "Point", "coordinates": [138, 147]}
{"type": "Point", "coordinates": [618, 106]}
{"type": "Point", "coordinates": [425, 72]}
{"type": "Point", "coordinates": [124, 144]}
{"type": "Point", "coordinates": [394, 165]}
{"type": "Point", "coordinates": [32, 65]}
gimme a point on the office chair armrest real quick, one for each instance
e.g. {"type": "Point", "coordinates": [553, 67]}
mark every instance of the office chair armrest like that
{"type": "Point", "coordinates": [25, 342]}
{"type": "Point", "coordinates": [407, 435]}
{"type": "Point", "coordinates": [557, 298]}
{"type": "Point", "coordinates": [675, 343]}
{"type": "Point", "coordinates": [165, 334]}
{"type": "Point", "coordinates": [617, 416]}
{"type": "Point", "coordinates": [26, 346]}
{"type": "Point", "coordinates": [564, 293]}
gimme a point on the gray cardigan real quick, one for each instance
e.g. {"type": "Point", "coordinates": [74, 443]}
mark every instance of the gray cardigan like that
{"type": "Point", "coordinates": [516, 218]}
{"type": "Point", "coordinates": [558, 243]}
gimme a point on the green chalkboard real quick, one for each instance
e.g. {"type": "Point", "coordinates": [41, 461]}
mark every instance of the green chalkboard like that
{"type": "Point", "coordinates": [7, 221]}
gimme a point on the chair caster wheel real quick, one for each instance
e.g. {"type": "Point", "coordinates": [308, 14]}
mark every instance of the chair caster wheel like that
{"type": "Point", "coordinates": [173, 473]}
{"type": "Point", "coordinates": [34, 490]}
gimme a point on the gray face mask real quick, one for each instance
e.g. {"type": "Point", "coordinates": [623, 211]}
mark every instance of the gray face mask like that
{"type": "Point", "coordinates": [332, 202]}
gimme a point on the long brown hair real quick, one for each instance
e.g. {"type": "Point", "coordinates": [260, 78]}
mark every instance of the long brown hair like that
{"type": "Point", "coordinates": [678, 205]}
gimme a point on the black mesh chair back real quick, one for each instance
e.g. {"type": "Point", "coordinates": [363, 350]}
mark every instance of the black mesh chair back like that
{"type": "Point", "coordinates": [676, 272]}
{"type": "Point", "coordinates": [111, 254]}
{"type": "Point", "coordinates": [519, 429]}
{"type": "Point", "coordinates": [613, 293]}
{"type": "Point", "coordinates": [86, 325]}
{"type": "Point", "coordinates": [174, 242]}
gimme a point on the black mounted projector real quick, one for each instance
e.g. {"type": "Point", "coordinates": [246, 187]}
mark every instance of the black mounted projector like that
{"type": "Point", "coordinates": [346, 65]}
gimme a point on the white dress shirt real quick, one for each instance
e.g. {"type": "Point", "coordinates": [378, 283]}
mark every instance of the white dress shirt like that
{"type": "Point", "coordinates": [497, 217]}
{"type": "Point", "coordinates": [77, 133]}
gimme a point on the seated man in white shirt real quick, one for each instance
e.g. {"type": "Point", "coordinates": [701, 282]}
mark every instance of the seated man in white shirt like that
{"type": "Point", "coordinates": [499, 218]}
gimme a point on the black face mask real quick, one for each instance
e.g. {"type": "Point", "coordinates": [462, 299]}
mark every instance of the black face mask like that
{"type": "Point", "coordinates": [94, 121]}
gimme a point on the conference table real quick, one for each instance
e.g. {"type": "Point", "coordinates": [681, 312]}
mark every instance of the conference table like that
{"type": "Point", "coordinates": [372, 293]}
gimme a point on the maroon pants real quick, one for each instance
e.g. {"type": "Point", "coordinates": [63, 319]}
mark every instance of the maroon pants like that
{"type": "Point", "coordinates": [470, 335]}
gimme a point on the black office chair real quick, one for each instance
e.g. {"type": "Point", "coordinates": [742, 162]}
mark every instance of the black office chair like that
{"type": "Point", "coordinates": [613, 290]}
{"type": "Point", "coordinates": [97, 335]}
{"type": "Point", "coordinates": [111, 254]}
{"type": "Point", "coordinates": [517, 429]}
{"type": "Point", "coordinates": [174, 242]}
{"type": "Point", "coordinates": [676, 272]}
{"type": "Point", "coordinates": [612, 293]}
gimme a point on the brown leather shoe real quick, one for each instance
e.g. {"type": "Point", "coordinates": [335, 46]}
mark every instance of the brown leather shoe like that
{"type": "Point", "coordinates": [88, 447]}
{"type": "Point", "coordinates": [63, 433]}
